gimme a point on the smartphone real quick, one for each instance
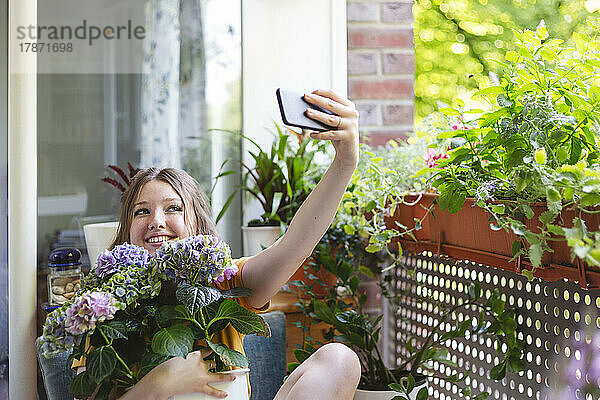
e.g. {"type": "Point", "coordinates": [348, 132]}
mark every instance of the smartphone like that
{"type": "Point", "coordinates": [292, 106]}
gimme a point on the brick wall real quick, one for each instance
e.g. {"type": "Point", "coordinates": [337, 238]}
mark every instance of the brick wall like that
{"type": "Point", "coordinates": [381, 67]}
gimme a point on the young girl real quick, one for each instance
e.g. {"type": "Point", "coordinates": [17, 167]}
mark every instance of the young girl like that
{"type": "Point", "coordinates": [165, 204]}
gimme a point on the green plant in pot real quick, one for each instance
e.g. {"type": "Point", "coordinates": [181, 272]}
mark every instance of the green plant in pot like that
{"type": "Point", "coordinates": [364, 247]}
{"type": "Point", "coordinates": [350, 323]}
{"type": "Point", "coordinates": [531, 161]}
{"type": "Point", "coordinates": [280, 180]}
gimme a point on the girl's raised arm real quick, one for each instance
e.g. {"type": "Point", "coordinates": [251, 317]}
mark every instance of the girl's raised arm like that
{"type": "Point", "coordinates": [268, 270]}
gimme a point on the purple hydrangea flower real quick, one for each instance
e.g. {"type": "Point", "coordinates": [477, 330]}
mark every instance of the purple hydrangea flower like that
{"type": "Point", "coordinates": [87, 310]}
{"type": "Point", "coordinates": [55, 338]}
{"type": "Point", "coordinates": [111, 261]}
{"type": "Point", "coordinates": [201, 259]}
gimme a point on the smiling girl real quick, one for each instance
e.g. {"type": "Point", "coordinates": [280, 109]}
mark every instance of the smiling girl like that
{"type": "Point", "coordinates": [161, 205]}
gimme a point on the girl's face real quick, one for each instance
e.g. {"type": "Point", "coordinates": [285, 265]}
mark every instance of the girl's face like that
{"type": "Point", "coordinates": [157, 216]}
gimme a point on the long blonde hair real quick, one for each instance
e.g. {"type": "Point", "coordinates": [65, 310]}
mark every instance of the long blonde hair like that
{"type": "Point", "coordinates": [196, 208]}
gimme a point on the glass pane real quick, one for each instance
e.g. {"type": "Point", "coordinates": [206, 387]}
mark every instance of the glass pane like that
{"type": "Point", "coordinates": [3, 204]}
{"type": "Point", "coordinates": [89, 117]}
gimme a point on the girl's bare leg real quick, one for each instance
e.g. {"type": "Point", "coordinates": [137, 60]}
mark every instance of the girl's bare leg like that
{"type": "Point", "coordinates": [331, 373]}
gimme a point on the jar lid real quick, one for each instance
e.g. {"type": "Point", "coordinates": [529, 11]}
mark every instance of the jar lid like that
{"type": "Point", "coordinates": [64, 256]}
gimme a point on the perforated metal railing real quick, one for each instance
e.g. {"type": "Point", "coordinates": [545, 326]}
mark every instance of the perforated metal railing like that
{"type": "Point", "coordinates": [557, 321]}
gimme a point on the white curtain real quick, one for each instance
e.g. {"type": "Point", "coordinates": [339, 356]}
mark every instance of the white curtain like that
{"type": "Point", "coordinates": [173, 87]}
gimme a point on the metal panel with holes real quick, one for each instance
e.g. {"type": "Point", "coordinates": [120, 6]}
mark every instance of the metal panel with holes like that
{"type": "Point", "coordinates": [559, 322]}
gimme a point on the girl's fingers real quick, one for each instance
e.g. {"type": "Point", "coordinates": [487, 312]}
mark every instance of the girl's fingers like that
{"type": "Point", "coordinates": [332, 95]}
{"type": "Point", "coordinates": [217, 378]}
{"type": "Point", "coordinates": [332, 120]}
{"type": "Point", "coordinates": [328, 104]}
{"type": "Point", "coordinates": [211, 391]}
{"type": "Point", "coordinates": [328, 135]}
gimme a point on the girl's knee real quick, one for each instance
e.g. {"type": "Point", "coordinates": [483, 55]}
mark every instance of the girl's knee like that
{"type": "Point", "coordinates": [337, 354]}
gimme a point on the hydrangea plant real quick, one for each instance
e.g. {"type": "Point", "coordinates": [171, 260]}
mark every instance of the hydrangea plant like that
{"type": "Point", "coordinates": [135, 311]}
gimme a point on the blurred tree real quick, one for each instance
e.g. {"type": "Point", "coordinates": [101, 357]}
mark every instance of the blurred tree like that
{"type": "Point", "coordinates": [456, 41]}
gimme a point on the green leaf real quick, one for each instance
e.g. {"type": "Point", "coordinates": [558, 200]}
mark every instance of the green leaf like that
{"type": "Point", "coordinates": [516, 247]}
{"type": "Point", "coordinates": [590, 199]}
{"type": "Point", "coordinates": [535, 254]}
{"type": "Point", "coordinates": [354, 282]}
{"type": "Point", "coordinates": [548, 216]}
{"type": "Point", "coordinates": [301, 355]}
{"type": "Point", "coordinates": [324, 313]}
{"type": "Point", "coordinates": [243, 320]}
{"type": "Point", "coordinates": [528, 274]}
{"type": "Point", "coordinates": [81, 386]}
{"type": "Point", "coordinates": [365, 271]}
{"type": "Point", "coordinates": [498, 372]}
{"type": "Point", "coordinates": [174, 341]}
{"type": "Point", "coordinates": [528, 211]}
{"type": "Point", "coordinates": [423, 394]}
{"type": "Point", "coordinates": [448, 111]}
{"type": "Point", "coordinates": [349, 229]}
{"type": "Point", "coordinates": [230, 357]}
{"type": "Point", "coordinates": [580, 43]}
{"type": "Point", "coordinates": [494, 90]}
{"type": "Point", "coordinates": [164, 314]}
{"type": "Point", "coordinates": [498, 208]}
{"type": "Point", "coordinates": [196, 297]}
{"type": "Point", "coordinates": [410, 383]}
{"type": "Point", "coordinates": [150, 361]}
{"type": "Point", "coordinates": [114, 329]}
{"type": "Point", "coordinates": [101, 363]}
{"type": "Point", "coordinates": [474, 291]}
{"type": "Point", "coordinates": [396, 387]}
{"type": "Point", "coordinates": [373, 248]}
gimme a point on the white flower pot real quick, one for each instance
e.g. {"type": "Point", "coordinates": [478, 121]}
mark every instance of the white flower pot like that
{"type": "Point", "coordinates": [236, 390]}
{"type": "Point", "coordinates": [385, 394]}
{"type": "Point", "coordinates": [258, 237]}
{"type": "Point", "coordinates": [98, 237]}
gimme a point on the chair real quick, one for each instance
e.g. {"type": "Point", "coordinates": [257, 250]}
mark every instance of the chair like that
{"type": "Point", "coordinates": [266, 357]}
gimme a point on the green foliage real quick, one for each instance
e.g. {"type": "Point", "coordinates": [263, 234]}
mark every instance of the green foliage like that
{"type": "Point", "coordinates": [457, 41]}
{"type": "Point", "coordinates": [539, 142]}
{"type": "Point", "coordinates": [383, 179]}
{"type": "Point", "coordinates": [342, 308]}
{"type": "Point", "coordinates": [281, 177]}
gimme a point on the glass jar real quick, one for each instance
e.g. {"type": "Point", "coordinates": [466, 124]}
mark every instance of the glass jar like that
{"type": "Point", "coordinates": [64, 275]}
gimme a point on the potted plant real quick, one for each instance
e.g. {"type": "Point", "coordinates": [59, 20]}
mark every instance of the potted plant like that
{"type": "Point", "coordinates": [280, 181]}
{"type": "Point", "coordinates": [99, 236]}
{"type": "Point", "coordinates": [343, 309]}
{"type": "Point", "coordinates": [363, 236]}
{"type": "Point", "coordinates": [135, 311]}
{"type": "Point", "coordinates": [531, 161]}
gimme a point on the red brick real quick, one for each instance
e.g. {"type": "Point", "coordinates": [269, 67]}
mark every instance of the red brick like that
{"type": "Point", "coordinates": [376, 138]}
{"type": "Point", "coordinates": [397, 12]}
{"type": "Point", "coordinates": [368, 114]}
{"type": "Point", "coordinates": [363, 12]}
{"type": "Point", "coordinates": [398, 114]}
{"type": "Point", "coordinates": [362, 63]}
{"type": "Point", "coordinates": [394, 63]}
{"type": "Point", "coordinates": [373, 37]}
{"type": "Point", "coordinates": [381, 89]}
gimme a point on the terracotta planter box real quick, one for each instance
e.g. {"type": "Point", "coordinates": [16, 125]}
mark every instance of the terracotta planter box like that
{"type": "Point", "coordinates": [466, 235]}
{"type": "Point", "coordinates": [561, 254]}
{"type": "Point", "coordinates": [406, 214]}
{"type": "Point", "coordinates": [470, 228]}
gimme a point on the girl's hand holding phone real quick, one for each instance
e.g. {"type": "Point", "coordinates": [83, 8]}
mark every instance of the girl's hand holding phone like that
{"type": "Point", "coordinates": [344, 136]}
